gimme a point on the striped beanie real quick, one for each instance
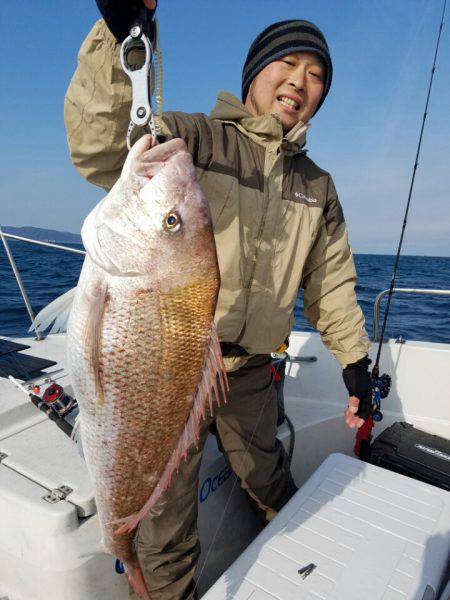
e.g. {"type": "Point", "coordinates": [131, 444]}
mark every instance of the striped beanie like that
{"type": "Point", "coordinates": [281, 39]}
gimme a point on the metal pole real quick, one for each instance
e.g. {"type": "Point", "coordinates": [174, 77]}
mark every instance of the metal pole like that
{"type": "Point", "coordinates": [20, 284]}
{"type": "Point", "coordinates": [381, 295]}
{"type": "Point", "coordinates": [39, 243]}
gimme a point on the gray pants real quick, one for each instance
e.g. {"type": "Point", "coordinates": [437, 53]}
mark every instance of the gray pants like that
{"type": "Point", "coordinates": [167, 539]}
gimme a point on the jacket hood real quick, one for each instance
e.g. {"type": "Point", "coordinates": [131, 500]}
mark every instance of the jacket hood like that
{"type": "Point", "coordinates": [264, 129]}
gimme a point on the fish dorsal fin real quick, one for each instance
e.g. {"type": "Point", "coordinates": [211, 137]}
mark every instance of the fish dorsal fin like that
{"type": "Point", "coordinates": [213, 382]}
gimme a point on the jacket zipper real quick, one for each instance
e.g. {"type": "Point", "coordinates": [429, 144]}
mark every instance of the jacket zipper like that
{"type": "Point", "coordinates": [262, 224]}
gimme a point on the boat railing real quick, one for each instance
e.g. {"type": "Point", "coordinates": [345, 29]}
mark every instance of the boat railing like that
{"type": "Point", "coordinates": [39, 243]}
{"type": "Point", "coordinates": [12, 262]}
{"type": "Point", "coordinates": [381, 295]}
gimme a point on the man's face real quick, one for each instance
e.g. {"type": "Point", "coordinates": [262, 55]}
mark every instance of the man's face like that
{"type": "Point", "coordinates": [290, 87]}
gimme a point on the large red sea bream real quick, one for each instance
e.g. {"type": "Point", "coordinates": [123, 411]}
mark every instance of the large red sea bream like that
{"type": "Point", "coordinates": [143, 349]}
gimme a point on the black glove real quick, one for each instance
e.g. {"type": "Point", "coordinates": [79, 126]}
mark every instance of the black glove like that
{"type": "Point", "coordinates": [119, 15]}
{"type": "Point", "coordinates": [358, 382]}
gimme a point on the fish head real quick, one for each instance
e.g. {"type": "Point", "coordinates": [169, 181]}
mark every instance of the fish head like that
{"type": "Point", "coordinates": [156, 220]}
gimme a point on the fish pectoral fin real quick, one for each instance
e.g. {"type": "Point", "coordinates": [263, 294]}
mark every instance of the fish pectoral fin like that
{"type": "Point", "coordinates": [95, 296]}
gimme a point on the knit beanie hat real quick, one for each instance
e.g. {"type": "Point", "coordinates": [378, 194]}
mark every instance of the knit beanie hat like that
{"type": "Point", "coordinates": [281, 39]}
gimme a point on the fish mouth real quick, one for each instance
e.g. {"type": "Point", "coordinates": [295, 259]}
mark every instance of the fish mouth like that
{"type": "Point", "coordinates": [289, 103]}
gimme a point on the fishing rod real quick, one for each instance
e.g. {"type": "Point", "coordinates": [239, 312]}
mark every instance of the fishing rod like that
{"type": "Point", "coordinates": [376, 367]}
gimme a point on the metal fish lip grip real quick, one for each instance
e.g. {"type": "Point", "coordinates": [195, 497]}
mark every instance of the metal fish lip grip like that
{"type": "Point", "coordinates": [141, 114]}
{"type": "Point", "coordinates": [141, 77]}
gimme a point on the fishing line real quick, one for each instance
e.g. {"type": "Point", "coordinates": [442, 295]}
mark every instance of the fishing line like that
{"type": "Point", "coordinates": [158, 73]}
{"type": "Point", "coordinates": [231, 491]}
{"type": "Point", "coordinates": [376, 368]}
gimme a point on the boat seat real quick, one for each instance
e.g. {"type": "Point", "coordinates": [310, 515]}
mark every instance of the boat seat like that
{"type": "Point", "coordinates": [359, 531]}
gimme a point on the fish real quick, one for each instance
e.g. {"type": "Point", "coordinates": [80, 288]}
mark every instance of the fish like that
{"type": "Point", "coordinates": [143, 349]}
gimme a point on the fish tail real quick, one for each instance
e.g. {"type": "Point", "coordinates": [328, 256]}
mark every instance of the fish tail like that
{"type": "Point", "coordinates": [136, 578]}
{"type": "Point", "coordinates": [57, 312]}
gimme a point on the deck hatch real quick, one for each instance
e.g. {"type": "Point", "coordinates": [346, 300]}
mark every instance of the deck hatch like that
{"type": "Point", "coordinates": [22, 366]}
{"type": "Point", "coordinates": [42, 454]}
{"type": "Point", "coordinates": [7, 346]}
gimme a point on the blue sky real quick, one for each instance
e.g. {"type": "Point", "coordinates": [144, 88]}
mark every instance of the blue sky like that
{"type": "Point", "coordinates": [365, 134]}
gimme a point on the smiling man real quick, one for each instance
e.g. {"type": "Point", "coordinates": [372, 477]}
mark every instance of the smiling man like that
{"type": "Point", "coordinates": [287, 72]}
{"type": "Point", "coordinates": [291, 87]}
{"type": "Point", "coordinates": [278, 227]}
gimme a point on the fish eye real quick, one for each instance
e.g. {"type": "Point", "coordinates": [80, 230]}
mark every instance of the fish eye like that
{"type": "Point", "coordinates": [172, 221]}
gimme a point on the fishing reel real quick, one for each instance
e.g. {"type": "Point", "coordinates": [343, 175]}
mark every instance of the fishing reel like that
{"type": "Point", "coordinates": [55, 397]}
{"type": "Point", "coordinates": [381, 385]}
{"type": "Point", "coordinates": [55, 403]}
{"type": "Point", "coordinates": [380, 389]}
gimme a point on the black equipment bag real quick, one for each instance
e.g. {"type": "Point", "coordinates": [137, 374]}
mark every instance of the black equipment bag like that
{"type": "Point", "coordinates": [413, 452]}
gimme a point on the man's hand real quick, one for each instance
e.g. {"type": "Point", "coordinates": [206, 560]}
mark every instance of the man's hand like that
{"type": "Point", "coordinates": [119, 15]}
{"type": "Point", "coordinates": [358, 382]}
{"type": "Point", "coordinates": [350, 416]}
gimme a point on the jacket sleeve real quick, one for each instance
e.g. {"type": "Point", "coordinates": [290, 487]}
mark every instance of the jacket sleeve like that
{"type": "Point", "coordinates": [329, 298]}
{"type": "Point", "coordinates": [97, 112]}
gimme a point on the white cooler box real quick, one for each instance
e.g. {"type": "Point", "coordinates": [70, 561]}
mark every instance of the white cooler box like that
{"type": "Point", "coordinates": [369, 533]}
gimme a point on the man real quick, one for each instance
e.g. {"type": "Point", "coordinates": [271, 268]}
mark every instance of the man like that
{"type": "Point", "coordinates": [278, 226]}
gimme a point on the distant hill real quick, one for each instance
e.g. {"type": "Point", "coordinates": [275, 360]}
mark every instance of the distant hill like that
{"type": "Point", "coordinates": [44, 235]}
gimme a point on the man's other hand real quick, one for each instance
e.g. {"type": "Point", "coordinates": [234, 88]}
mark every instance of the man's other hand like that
{"type": "Point", "coordinates": [350, 416]}
{"type": "Point", "coordinates": [358, 382]}
{"type": "Point", "coordinates": [119, 16]}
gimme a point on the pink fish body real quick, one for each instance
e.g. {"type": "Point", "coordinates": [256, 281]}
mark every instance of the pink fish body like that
{"type": "Point", "coordinates": [143, 349]}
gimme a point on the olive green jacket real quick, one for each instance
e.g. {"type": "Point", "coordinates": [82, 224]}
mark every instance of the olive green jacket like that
{"type": "Point", "coordinates": [278, 223]}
